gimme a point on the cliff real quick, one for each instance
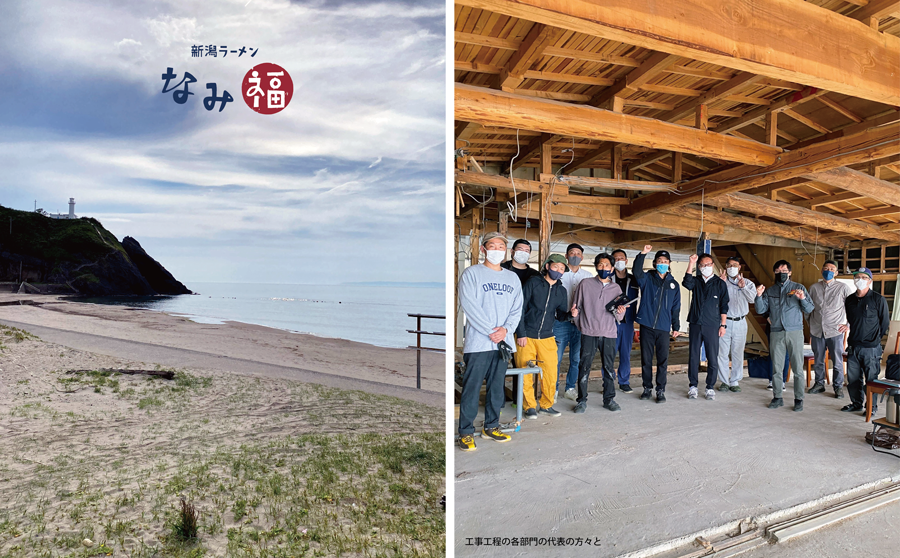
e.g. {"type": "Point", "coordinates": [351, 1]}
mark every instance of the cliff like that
{"type": "Point", "coordinates": [77, 252]}
{"type": "Point", "coordinates": [159, 277]}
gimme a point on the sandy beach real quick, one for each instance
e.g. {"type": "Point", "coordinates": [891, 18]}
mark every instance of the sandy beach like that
{"type": "Point", "coordinates": [288, 445]}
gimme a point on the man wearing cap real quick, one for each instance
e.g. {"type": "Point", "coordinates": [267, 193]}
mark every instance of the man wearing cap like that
{"type": "Point", "coordinates": [658, 314]}
{"type": "Point", "coordinates": [868, 321]}
{"type": "Point", "coordinates": [625, 328]}
{"type": "Point", "coordinates": [594, 298]}
{"type": "Point", "coordinates": [709, 308]}
{"type": "Point", "coordinates": [829, 296]}
{"type": "Point", "coordinates": [544, 301]}
{"type": "Point", "coordinates": [786, 302]}
{"type": "Point", "coordinates": [741, 292]}
{"type": "Point", "coordinates": [518, 262]}
{"type": "Point", "coordinates": [565, 331]}
{"type": "Point", "coordinates": [491, 298]}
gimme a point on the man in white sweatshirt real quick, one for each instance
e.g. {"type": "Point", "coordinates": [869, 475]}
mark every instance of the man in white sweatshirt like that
{"type": "Point", "coordinates": [491, 298]}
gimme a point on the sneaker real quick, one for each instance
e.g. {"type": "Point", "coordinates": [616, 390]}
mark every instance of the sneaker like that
{"type": "Point", "coordinates": [612, 405]}
{"type": "Point", "coordinates": [571, 394]}
{"type": "Point", "coordinates": [647, 393]}
{"type": "Point", "coordinates": [495, 434]}
{"type": "Point", "coordinates": [660, 397]}
{"type": "Point", "coordinates": [531, 414]}
{"type": "Point", "coordinates": [710, 394]}
{"type": "Point", "coordinates": [692, 392]}
{"type": "Point", "coordinates": [817, 388]}
{"type": "Point", "coordinates": [724, 387]}
{"type": "Point", "coordinates": [776, 402]}
{"type": "Point", "coordinates": [838, 393]}
{"type": "Point", "coordinates": [467, 442]}
{"type": "Point", "coordinates": [625, 388]}
{"type": "Point", "coordinates": [549, 412]}
{"type": "Point", "coordinates": [769, 386]}
{"type": "Point", "coordinates": [798, 404]}
{"type": "Point", "coordinates": [581, 407]}
{"type": "Point", "coordinates": [852, 408]}
{"type": "Point", "coordinates": [735, 388]}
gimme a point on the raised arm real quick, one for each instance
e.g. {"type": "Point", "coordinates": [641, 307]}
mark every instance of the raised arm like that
{"type": "Point", "coordinates": [637, 268]}
{"type": "Point", "coordinates": [761, 302]}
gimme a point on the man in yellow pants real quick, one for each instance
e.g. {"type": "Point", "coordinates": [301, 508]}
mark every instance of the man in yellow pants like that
{"type": "Point", "coordinates": [544, 301]}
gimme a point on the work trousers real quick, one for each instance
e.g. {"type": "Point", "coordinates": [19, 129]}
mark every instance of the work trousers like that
{"type": "Point", "coordinates": [543, 351]}
{"type": "Point", "coordinates": [731, 350]}
{"type": "Point", "coordinates": [567, 334]}
{"type": "Point", "coordinates": [791, 343]}
{"type": "Point", "coordinates": [862, 363]}
{"type": "Point", "coordinates": [654, 341]}
{"type": "Point", "coordinates": [835, 347]}
{"type": "Point", "coordinates": [624, 339]}
{"type": "Point", "coordinates": [697, 335]}
{"type": "Point", "coordinates": [590, 346]}
{"type": "Point", "coordinates": [486, 367]}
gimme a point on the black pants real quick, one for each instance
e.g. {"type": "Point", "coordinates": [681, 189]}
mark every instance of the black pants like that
{"type": "Point", "coordinates": [589, 347]}
{"type": "Point", "coordinates": [697, 335]}
{"type": "Point", "coordinates": [486, 367]}
{"type": "Point", "coordinates": [863, 366]}
{"type": "Point", "coordinates": [654, 340]}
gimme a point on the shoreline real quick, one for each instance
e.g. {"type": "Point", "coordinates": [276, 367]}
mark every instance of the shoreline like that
{"type": "Point", "coordinates": [341, 358]}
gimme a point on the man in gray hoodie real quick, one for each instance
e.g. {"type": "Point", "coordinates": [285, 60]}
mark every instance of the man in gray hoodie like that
{"type": "Point", "coordinates": [491, 298]}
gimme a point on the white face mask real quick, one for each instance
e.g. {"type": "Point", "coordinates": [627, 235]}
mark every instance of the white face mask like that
{"type": "Point", "coordinates": [706, 270]}
{"type": "Point", "coordinates": [861, 284]}
{"type": "Point", "coordinates": [620, 265]}
{"type": "Point", "coordinates": [732, 271]}
{"type": "Point", "coordinates": [521, 257]}
{"type": "Point", "coordinates": [495, 256]}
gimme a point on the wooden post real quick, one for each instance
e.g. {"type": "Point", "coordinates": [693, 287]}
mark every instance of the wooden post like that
{"type": "Point", "coordinates": [544, 229]}
{"type": "Point", "coordinates": [461, 161]}
{"type": "Point", "coordinates": [676, 166]}
{"type": "Point", "coordinates": [616, 162]}
{"type": "Point", "coordinates": [475, 241]}
{"type": "Point", "coordinates": [503, 223]}
{"type": "Point", "coordinates": [701, 120]}
{"type": "Point", "coordinates": [772, 128]}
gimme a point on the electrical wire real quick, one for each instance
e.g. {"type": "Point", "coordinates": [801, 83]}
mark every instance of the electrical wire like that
{"type": "Point", "coordinates": [512, 207]}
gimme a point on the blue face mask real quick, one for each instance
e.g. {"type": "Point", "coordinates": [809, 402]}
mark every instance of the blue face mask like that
{"type": "Point", "coordinates": [555, 275]}
{"type": "Point", "coordinates": [662, 268]}
{"type": "Point", "coordinates": [604, 273]}
{"type": "Point", "coordinates": [828, 275]}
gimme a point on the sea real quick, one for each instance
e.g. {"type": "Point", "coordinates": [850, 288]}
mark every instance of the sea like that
{"type": "Point", "coordinates": [376, 315]}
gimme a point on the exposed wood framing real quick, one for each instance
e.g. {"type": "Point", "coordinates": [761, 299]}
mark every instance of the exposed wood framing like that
{"type": "Point", "coordinates": [860, 183]}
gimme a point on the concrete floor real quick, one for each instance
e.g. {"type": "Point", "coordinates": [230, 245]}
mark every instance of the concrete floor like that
{"type": "Point", "coordinates": [652, 473]}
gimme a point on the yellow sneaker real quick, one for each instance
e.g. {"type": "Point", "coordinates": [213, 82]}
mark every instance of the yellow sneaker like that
{"type": "Point", "coordinates": [467, 442]}
{"type": "Point", "coordinates": [496, 434]}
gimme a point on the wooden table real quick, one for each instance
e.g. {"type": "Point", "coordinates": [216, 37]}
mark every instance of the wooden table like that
{"type": "Point", "coordinates": [873, 388]}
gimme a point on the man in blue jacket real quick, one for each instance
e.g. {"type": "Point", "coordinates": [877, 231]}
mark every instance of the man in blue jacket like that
{"type": "Point", "coordinates": [658, 315]}
{"type": "Point", "coordinates": [625, 329]}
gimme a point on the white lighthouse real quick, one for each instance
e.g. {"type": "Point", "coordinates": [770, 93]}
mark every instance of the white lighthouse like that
{"type": "Point", "coordinates": [71, 208]}
{"type": "Point", "coordinates": [69, 215]}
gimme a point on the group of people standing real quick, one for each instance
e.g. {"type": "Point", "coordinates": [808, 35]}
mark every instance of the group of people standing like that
{"type": "Point", "coordinates": [513, 310]}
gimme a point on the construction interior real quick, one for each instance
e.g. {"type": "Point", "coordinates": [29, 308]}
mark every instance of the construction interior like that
{"type": "Point", "coordinates": [770, 128]}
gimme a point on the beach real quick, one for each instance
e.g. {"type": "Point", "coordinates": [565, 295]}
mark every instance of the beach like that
{"type": "Point", "coordinates": [287, 444]}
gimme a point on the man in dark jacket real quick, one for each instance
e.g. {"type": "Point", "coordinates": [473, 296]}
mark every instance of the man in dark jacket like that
{"type": "Point", "coordinates": [518, 262]}
{"type": "Point", "coordinates": [709, 308]}
{"type": "Point", "coordinates": [867, 314]}
{"type": "Point", "coordinates": [544, 301]}
{"type": "Point", "coordinates": [658, 315]}
{"type": "Point", "coordinates": [625, 328]}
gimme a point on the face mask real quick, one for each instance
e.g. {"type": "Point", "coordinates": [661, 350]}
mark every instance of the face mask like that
{"type": "Point", "coordinates": [828, 275]}
{"type": "Point", "coordinates": [662, 268]}
{"type": "Point", "coordinates": [732, 271]}
{"type": "Point", "coordinates": [521, 257]}
{"type": "Point", "coordinates": [495, 256]}
{"type": "Point", "coordinates": [555, 275]}
{"type": "Point", "coordinates": [861, 284]}
{"type": "Point", "coordinates": [620, 265]}
{"type": "Point", "coordinates": [781, 278]}
{"type": "Point", "coordinates": [604, 273]}
{"type": "Point", "coordinates": [706, 270]}
{"type": "Point", "coordinates": [574, 260]}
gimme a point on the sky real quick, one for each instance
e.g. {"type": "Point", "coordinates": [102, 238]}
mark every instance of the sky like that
{"type": "Point", "coordinates": [344, 185]}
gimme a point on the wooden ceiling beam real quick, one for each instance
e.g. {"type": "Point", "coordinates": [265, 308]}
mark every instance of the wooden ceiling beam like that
{"type": "Point", "coordinates": [495, 108]}
{"type": "Point", "coordinates": [879, 9]}
{"type": "Point", "coordinates": [539, 37]}
{"type": "Point", "coordinates": [832, 53]}
{"type": "Point", "coordinates": [718, 92]}
{"type": "Point", "coordinates": [867, 145]}
{"type": "Point", "coordinates": [633, 80]}
{"type": "Point", "coordinates": [829, 199]}
{"type": "Point", "coordinates": [805, 120]}
{"type": "Point", "coordinates": [859, 182]}
{"type": "Point", "coordinates": [840, 108]}
{"type": "Point", "coordinates": [784, 103]}
{"type": "Point", "coordinates": [878, 212]}
{"type": "Point", "coordinates": [793, 214]}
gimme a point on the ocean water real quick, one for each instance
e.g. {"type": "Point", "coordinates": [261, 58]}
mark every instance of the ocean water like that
{"type": "Point", "coordinates": [370, 314]}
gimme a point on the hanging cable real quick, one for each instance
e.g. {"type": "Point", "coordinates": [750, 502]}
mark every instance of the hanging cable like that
{"type": "Point", "coordinates": [512, 207]}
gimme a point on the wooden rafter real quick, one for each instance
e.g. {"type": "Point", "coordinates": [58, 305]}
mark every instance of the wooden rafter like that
{"type": "Point", "coordinates": [860, 183]}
